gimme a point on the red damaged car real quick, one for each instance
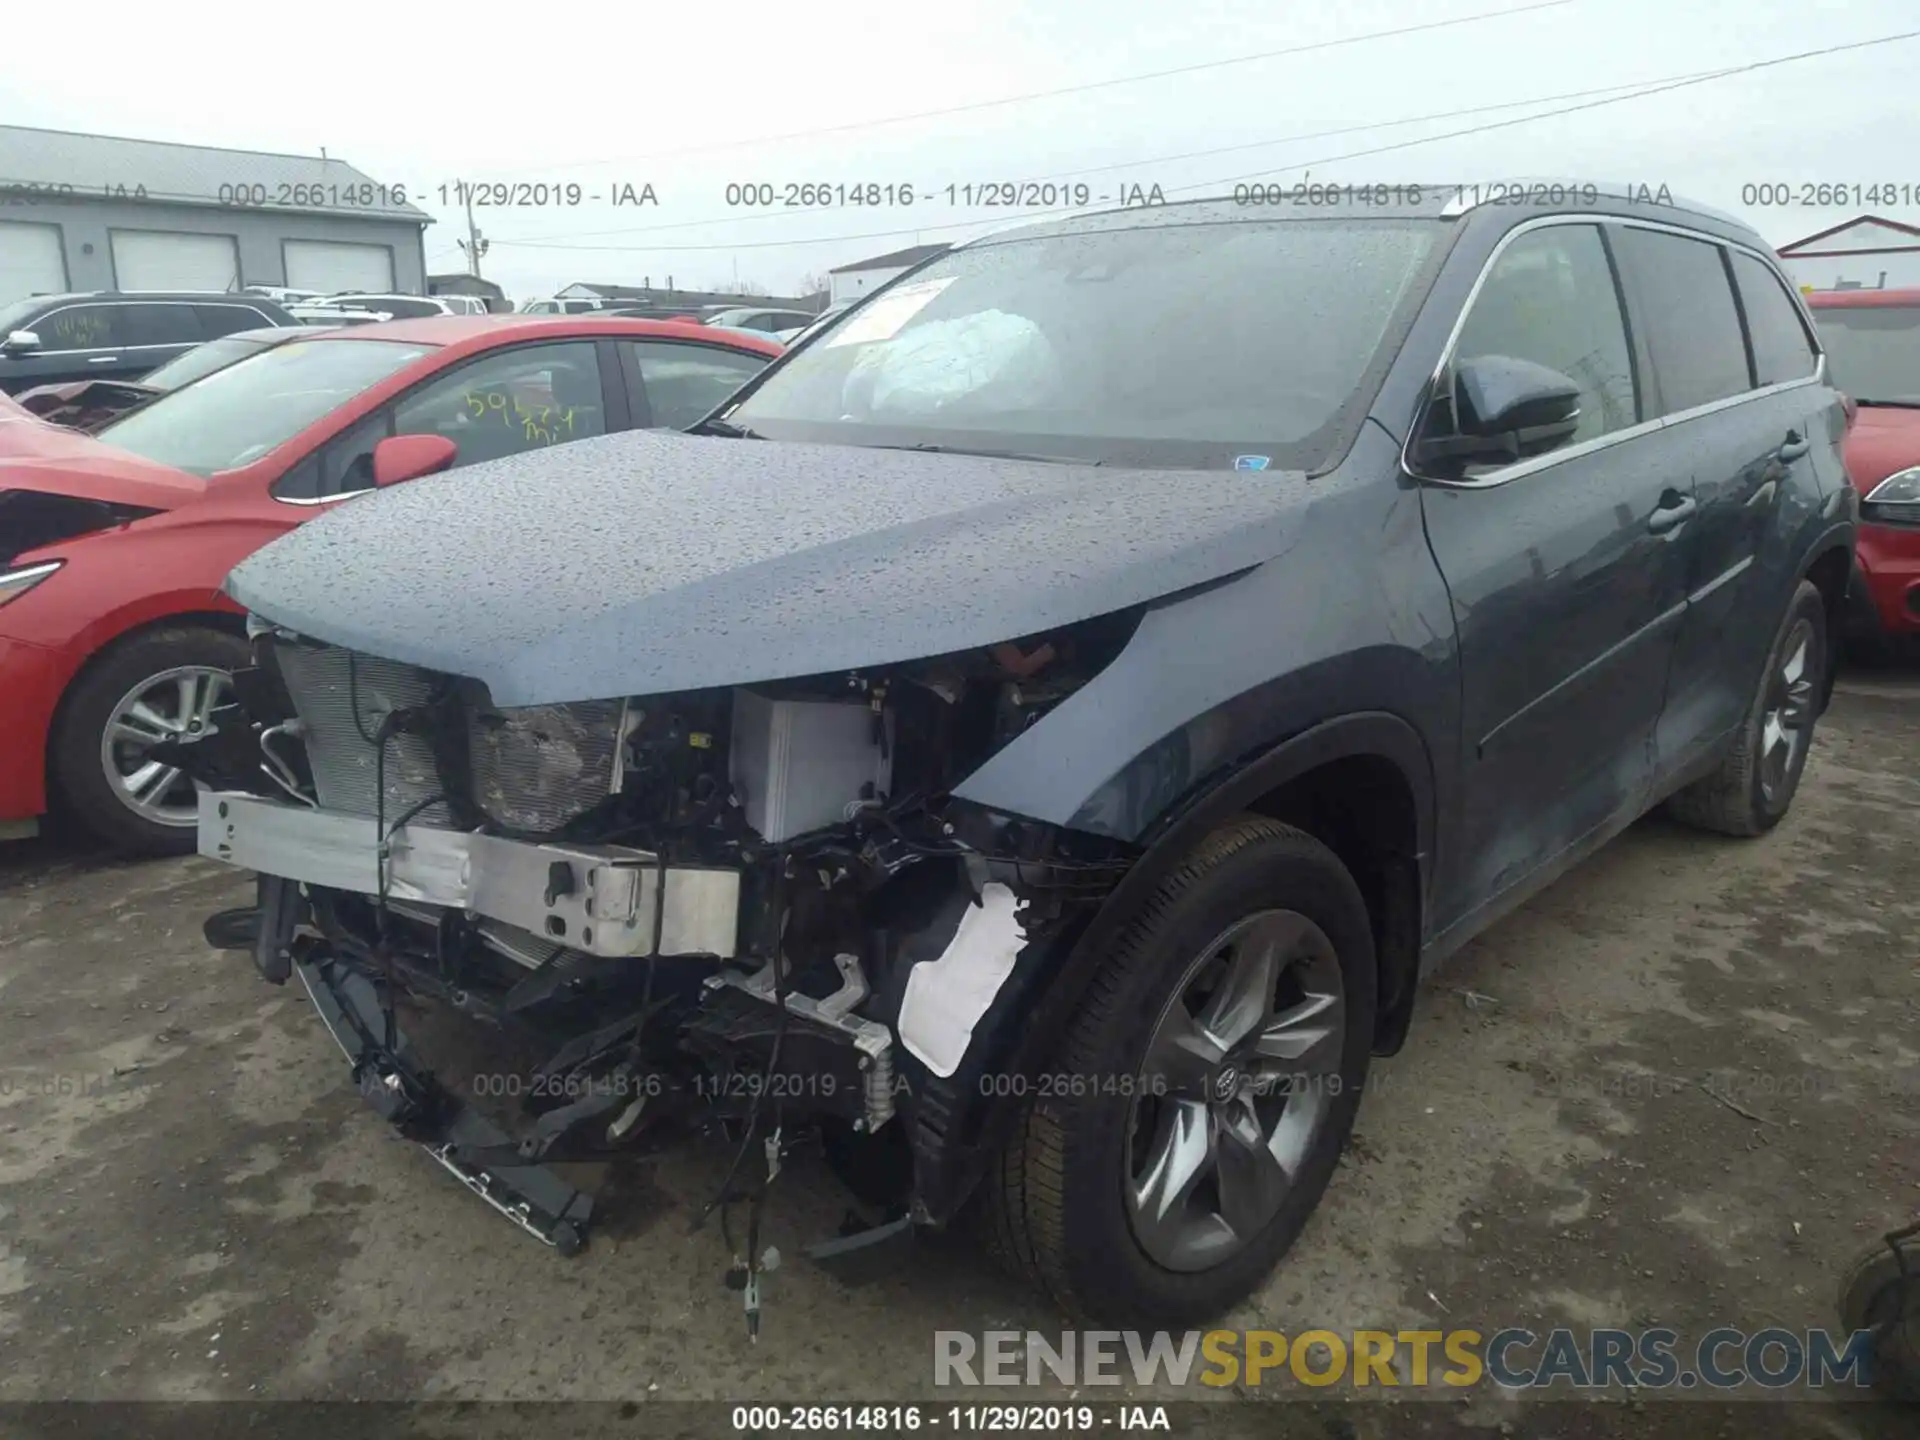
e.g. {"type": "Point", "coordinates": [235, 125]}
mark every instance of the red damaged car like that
{"type": "Point", "coordinates": [1872, 340]}
{"type": "Point", "coordinates": [114, 635]}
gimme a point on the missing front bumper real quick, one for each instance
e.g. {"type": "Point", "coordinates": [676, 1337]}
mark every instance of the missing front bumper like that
{"type": "Point", "coordinates": [605, 900]}
{"type": "Point", "coordinates": [400, 1090]}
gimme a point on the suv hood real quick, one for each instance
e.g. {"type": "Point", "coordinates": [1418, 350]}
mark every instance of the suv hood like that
{"type": "Point", "coordinates": [36, 455]}
{"type": "Point", "coordinates": [650, 562]}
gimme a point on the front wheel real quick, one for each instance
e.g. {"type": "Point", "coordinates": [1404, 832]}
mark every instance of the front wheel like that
{"type": "Point", "coordinates": [158, 685]}
{"type": "Point", "coordinates": [1202, 1094]}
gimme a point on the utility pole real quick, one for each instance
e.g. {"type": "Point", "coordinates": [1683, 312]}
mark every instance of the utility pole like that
{"type": "Point", "coordinates": [475, 244]}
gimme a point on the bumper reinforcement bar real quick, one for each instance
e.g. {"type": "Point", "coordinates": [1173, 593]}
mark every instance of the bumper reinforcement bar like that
{"type": "Point", "coordinates": [423, 1110]}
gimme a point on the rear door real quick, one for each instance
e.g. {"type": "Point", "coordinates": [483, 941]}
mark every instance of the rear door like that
{"type": "Point", "coordinates": [155, 331]}
{"type": "Point", "coordinates": [1566, 585]}
{"type": "Point", "coordinates": [676, 382]}
{"type": "Point", "coordinates": [1733, 374]}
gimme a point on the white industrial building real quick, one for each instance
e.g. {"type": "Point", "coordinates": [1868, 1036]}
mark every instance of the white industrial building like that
{"type": "Point", "coordinates": [863, 277]}
{"type": "Point", "coordinates": [1868, 253]}
{"type": "Point", "coordinates": [96, 212]}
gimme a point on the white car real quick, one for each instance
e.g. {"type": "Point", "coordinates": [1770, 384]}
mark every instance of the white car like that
{"type": "Point", "coordinates": [395, 307]}
{"type": "Point", "coordinates": [328, 315]}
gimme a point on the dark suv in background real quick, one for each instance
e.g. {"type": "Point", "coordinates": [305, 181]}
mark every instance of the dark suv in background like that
{"type": "Point", "coordinates": [1036, 741]}
{"type": "Point", "coordinates": [117, 335]}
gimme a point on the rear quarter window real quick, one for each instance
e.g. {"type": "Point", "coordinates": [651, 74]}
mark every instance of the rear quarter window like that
{"type": "Point", "coordinates": [1782, 349]}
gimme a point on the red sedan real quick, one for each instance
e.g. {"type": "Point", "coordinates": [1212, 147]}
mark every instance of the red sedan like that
{"type": "Point", "coordinates": [113, 632]}
{"type": "Point", "coordinates": [1872, 339]}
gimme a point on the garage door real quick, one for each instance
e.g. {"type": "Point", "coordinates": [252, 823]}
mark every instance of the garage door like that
{"type": "Point", "coordinates": [30, 261]}
{"type": "Point", "coordinates": [169, 260]}
{"type": "Point", "coordinates": [330, 266]}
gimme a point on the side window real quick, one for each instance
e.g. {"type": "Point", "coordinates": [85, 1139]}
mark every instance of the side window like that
{"type": "Point", "coordinates": [511, 401]}
{"type": "Point", "coordinates": [80, 327]}
{"type": "Point", "coordinates": [1693, 329]}
{"type": "Point", "coordinates": [159, 325]}
{"type": "Point", "coordinates": [1781, 349]}
{"type": "Point", "coordinates": [1551, 298]}
{"type": "Point", "coordinates": [684, 381]}
{"type": "Point", "coordinates": [218, 320]}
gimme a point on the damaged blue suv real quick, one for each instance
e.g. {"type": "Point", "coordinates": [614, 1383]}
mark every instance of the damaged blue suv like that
{"type": "Point", "coordinates": [1032, 740]}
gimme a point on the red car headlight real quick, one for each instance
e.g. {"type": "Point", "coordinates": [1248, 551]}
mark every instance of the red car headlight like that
{"type": "Point", "coordinates": [1895, 500]}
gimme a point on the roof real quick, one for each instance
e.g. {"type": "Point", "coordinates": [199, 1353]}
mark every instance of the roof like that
{"type": "Point", "coordinates": [204, 297]}
{"type": "Point", "coordinates": [99, 166]}
{"type": "Point", "coordinates": [1860, 299]}
{"type": "Point", "coordinates": [478, 332]}
{"type": "Point", "coordinates": [1833, 230]}
{"type": "Point", "coordinates": [894, 260]}
{"type": "Point", "coordinates": [1445, 203]}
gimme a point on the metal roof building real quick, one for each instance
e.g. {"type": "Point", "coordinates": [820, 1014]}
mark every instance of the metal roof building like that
{"type": "Point", "coordinates": [98, 212]}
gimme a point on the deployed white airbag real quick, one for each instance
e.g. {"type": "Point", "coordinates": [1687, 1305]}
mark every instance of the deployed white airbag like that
{"type": "Point", "coordinates": [991, 359]}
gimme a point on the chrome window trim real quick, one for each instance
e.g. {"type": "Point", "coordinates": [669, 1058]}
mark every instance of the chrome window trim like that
{"type": "Point", "coordinates": [1522, 468]}
{"type": "Point", "coordinates": [320, 499]}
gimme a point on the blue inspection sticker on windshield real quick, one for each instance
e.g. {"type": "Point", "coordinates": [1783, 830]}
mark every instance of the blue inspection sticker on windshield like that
{"type": "Point", "coordinates": [1250, 462]}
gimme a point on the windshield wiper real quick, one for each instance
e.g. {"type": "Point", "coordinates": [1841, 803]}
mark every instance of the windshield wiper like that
{"type": "Point", "coordinates": [714, 425]}
{"type": "Point", "coordinates": [1889, 404]}
{"type": "Point", "coordinates": [929, 449]}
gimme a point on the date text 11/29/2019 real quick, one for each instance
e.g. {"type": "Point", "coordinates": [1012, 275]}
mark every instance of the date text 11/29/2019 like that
{"type": "Point", "coordinates": [961, 1419]}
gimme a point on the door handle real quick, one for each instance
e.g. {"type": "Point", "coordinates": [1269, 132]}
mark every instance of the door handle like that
{"type": "Point", "coordinates": [102, 359]}
{"type": "Point", "coordinates": [1671, 514]}
{"type": "Point", "coordinates": [1793, 449]}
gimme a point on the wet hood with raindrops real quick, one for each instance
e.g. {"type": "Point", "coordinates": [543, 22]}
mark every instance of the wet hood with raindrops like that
{"type": "Point", "coordinates": [649, 561]}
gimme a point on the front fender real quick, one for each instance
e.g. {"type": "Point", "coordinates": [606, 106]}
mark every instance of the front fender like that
{"type": "Point", "coordinates": [1353, 618]}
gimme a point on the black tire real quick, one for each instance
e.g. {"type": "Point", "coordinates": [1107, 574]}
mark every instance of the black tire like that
{"type": "Point", "coordinates": [1871, 1297]}
{"type": "Point", "coordinates": [81, 789]}
{"type": "Point", "coordinates": [1733, 800]}
{"type": "Point", "coordinates": [1052, 1209]}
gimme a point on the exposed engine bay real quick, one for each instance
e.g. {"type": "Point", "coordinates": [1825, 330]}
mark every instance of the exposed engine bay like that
{"type": "Point", "coordinates": [755, 910]}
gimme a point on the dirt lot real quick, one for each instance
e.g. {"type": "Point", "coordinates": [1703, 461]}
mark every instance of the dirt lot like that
{"type": "Point", "coordinates": [194, 1204]}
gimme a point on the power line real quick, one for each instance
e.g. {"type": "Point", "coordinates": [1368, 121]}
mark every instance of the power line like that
{"type": "Point", "coordinates": [975, 106]}
{"type": "Point", "coordinates": [1651, 89]}
{"type": "Point", "coordinates": [1056, 173]}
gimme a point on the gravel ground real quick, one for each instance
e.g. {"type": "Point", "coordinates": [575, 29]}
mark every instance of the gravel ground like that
{"type": "Point", "coordinates": [1680, 1087]}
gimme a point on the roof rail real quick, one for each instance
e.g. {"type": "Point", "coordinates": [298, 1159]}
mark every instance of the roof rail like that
{"type": "Point", "coordinates": [1470, 197]}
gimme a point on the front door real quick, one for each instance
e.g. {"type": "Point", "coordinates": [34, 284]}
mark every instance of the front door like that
{"type": "Point", "coordinates": [1567, 573]}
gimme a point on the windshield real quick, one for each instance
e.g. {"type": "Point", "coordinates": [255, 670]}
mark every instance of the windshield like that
{"type": "Point", "coordinates": [1873, 351]}
{"type": "Point", "coordinates": [234, 416]}
{"type": "Point", "coordinates": [1164, 345]}
{"type": "Point", "coordinates": [201, 360]}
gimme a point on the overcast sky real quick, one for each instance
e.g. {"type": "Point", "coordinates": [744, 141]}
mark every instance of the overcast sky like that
{"type": "Point", "coordinates": [691, 98]}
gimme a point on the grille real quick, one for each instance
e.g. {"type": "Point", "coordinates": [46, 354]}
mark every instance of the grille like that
{"type": "Point", "coordinates": [535, 768]}
{"type": "Point", "coordinates": [324, 682]}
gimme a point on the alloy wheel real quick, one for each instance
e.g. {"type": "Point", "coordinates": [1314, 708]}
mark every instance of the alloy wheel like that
{"type": "Point", "coordinates": [1787, 718]}
{"type": "Point", "coordinates": [174, 704]}
{"type": "Point", "coordinates": [1242, 1070]}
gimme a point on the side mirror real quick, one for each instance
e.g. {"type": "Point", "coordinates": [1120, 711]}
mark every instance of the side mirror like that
{"type": "Point", "coordinates": [1503, 409]}
{"type": "Point", "coordinates": [20, 342]}
{"type": "Point", "coordinates": [408, 457]}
